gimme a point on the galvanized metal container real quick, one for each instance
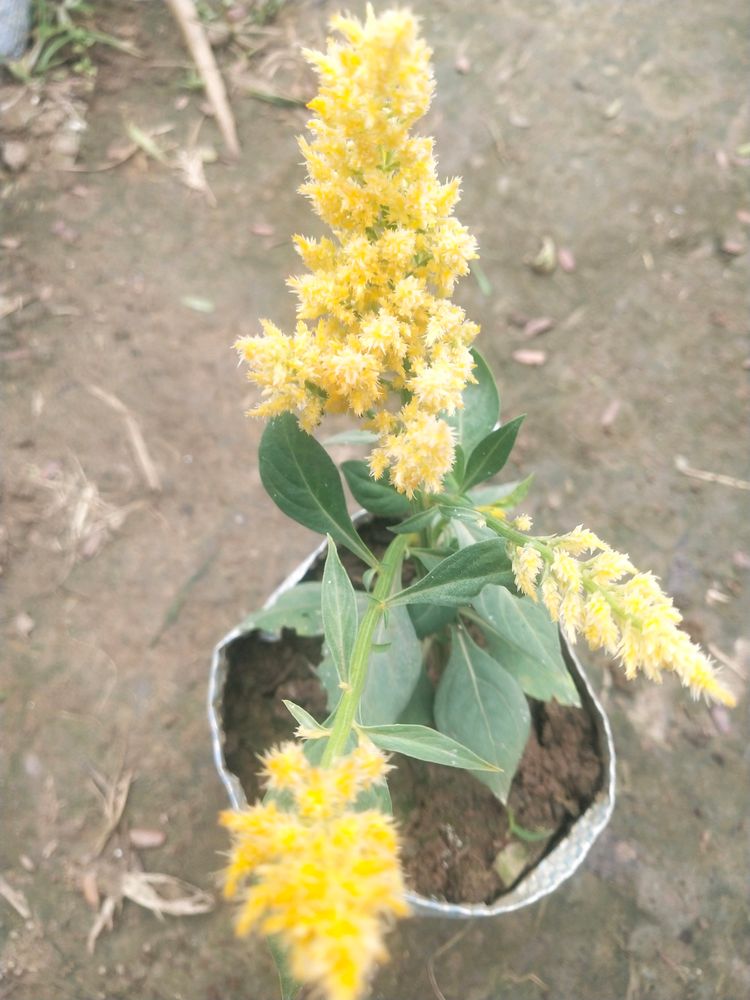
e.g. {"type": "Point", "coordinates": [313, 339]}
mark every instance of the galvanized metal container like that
{"type": "Point", "coordinates": [557, 866]}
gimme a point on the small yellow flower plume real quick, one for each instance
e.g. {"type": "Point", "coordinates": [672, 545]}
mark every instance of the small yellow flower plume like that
{"type": "Point", "coordinates": [323, 877]}
{"type": "Point", "coordinates": [377, 334]}
{"type": "Point", "coordinates": [614, 607]}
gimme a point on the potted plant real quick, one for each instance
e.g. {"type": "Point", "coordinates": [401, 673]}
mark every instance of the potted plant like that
{"type": "Point", "coordinates": [453, 648]}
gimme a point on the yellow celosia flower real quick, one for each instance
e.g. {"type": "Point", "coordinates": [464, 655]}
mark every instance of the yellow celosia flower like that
{"type": "Point", "coordinates": [377, 335]}
{"type": "Point", "coordinates": [323, 877]}
{"type": "Point", "coordinates": [632, 619]}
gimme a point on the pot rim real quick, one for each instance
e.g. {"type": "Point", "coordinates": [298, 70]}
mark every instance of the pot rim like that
{"type": "Point", "coordinates": [547, 875]}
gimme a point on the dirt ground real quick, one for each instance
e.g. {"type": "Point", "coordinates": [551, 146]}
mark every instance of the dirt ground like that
{"type": "Point", "coordinates": [136, 532]}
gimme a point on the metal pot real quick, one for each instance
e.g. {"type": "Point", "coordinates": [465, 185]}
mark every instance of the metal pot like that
{"type": "Point", "coordinates": [557, 866]}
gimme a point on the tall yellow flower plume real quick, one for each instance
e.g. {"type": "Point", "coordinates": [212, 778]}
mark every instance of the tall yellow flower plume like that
{"type": "Point", "coordinates": [377, 334]}
{"type": "Point", "coordinates": [323, 877]}
{"type": "Point", "coordinates": [614, 607]}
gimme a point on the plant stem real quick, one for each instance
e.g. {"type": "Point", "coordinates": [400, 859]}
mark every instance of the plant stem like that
{"type": "Point", "coordinates": [390, 565]}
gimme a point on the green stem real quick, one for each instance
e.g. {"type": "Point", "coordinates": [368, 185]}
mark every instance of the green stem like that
{"type": "Point", "coordinates": [347, 706]}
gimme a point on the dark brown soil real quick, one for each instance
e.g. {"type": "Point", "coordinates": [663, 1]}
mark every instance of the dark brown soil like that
{"type": "Point", "coordinates": [453, 826]}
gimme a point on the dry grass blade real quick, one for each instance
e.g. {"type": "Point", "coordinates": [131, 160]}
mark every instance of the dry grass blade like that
{"type": "Point", "coordinates": [15, 898]}
{"type": "Point", "coordinates": [114, 797]}
{"type": "Point", "coordinates": [185, 14]}
{"type": "Point", "coordinates": [681, 464]}
{"type": "Point", "coordinates": [88, 519]}
{"type": "Point", "coordinates": [104, 921]}
{"type": "Point", "coordinates": [165, 894]}
{"type": "Point", "coordinates": [450, 943]}
{"type": "Point", "coordinates": [137, 441]}
{"type": "Point", "coordinates": [146, 142]}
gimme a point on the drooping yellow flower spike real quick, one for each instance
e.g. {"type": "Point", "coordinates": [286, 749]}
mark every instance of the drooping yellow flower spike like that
{"type": "Point", "coordinates": [377, 334]}
{"type": "Point", "coordinates": [614, 607]}
{"type": "Point", "coordinates": [323, 877]}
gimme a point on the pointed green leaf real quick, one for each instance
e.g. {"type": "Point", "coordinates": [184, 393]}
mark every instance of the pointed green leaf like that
{"type": "Point", "coordinates": [328, 676]}
{"type": "Point", "coordinates": [491, 454]}
{"type": "Point", "coordinates": [460, 576]}
{"type": "Point", "coordinates": [523, 640]}
{"type": "Point", "coordinates": [425, 743]}
{"type": "Point", "coordinates": [376, 495]}
{"type": "Point", "coordinates": [351, 437]}
{"type": "Point", "coordinates": [393, 670]}
{"type": "Point", "coordinates": [503, 495]}
{"type": "Point", "coordinates": [416, 522]}
{"type": "Point", "coordinates": [339, 608]}
{"type": "Point", "coordinates": [290, 988]}
{"type": "Point", "coordinates": [302, 480]}
{"type": "Point", "coordinates": [418, 712]}
{"type": "Point", "coordinates": [297, 609]}
{"type": "Point", "coordinates": [468, 533]}
{"type": "Point", "coordinates": [302, 717]}
{"type": "Point", "coordinates": [481, 706]}
{"type": "Point", "coordinates": [481, 408]}
{"type": "Point", "coordinates": [431, 618]}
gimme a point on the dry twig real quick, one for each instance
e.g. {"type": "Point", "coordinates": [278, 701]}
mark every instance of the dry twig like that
{"type": "Point", "coordinates": [681, 464]}
{"type": "Point", "coordinates": [15, 898]}
{"type": "Point", "coordinates": [185, 14]}
{"type": "Point", "coordinates": [135, 434]}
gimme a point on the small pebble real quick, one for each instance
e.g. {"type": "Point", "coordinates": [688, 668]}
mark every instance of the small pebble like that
{"type": "Point", "coordinates": [15, 155]}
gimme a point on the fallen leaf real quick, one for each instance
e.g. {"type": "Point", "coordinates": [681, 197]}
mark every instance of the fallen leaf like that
{"type": "Point", "coordinates": [613, 109]}
{"type": "Point", "coordinates": [198, 304]}
{"type": "Point", "coordinates": [164, 894]}
{"type": "Point", "coordinates": [144, 839]}
{"type": "Point", "coordinates": [535, 327]}
{"type": "Point", "coordinates": [715, 596]}
{"type": "Point", "coordinates": [525, 356]}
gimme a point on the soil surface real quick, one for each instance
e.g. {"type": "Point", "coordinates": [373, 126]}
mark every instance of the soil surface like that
{"type": "Point", "coordinates": [134, 538]}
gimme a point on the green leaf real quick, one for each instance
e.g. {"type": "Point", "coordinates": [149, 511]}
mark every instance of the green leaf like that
{"type": "Point", "coordinates": [503, 495]}
{"type": "Point", "coordinates": [431, 618]}
{"type": "Point", "coordinates": [376, 495]}
{"type": "Point", "coordinates": [468, 533]}
{"type": "Point", "coordinates": [328, 676]}
{"type": "Point", "coordinates": [339, 608]}
{"type": "Point", "coordinates": [460, 576]}
{"type": "Point", "coordinates": [351, 437]}
{"type": "Point", "coordinates": [481, 408]}
{"type": "Point", "coordinates": [297, 609]}
{"type": "Point", "coordinates": [424, 743]}
{"type": "Point", "coordinates": [491, 454]}
{"type": "Point", "coordinates": [419, 710]}
{"type": "Point", "coordinates": [523, 640]}
{"type": "Point", "coordinates": [302, 717]}
{"type": "Point", "coordinates": [302, 480]}
{"type": "Point", "coordinates": [416, 522]}
{"type": "Point", "coordinates": [481, 706]}
{"type": "Point", "coordinates": [393, 669]}
{"type": "Point", "coordinates": [290, 988]}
